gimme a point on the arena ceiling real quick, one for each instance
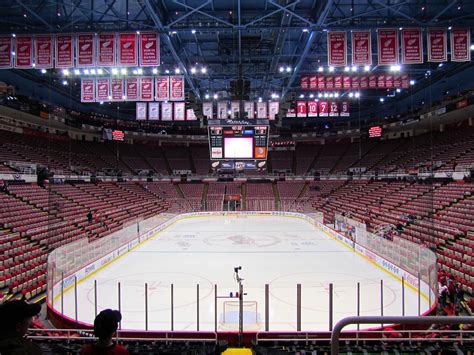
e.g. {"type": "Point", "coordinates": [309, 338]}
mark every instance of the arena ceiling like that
{"type": "Point", "coordinates": [214, 41]}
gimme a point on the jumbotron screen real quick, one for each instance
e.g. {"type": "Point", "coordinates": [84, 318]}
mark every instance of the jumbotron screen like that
{"type": "Point", "coordinates": [238, 142]}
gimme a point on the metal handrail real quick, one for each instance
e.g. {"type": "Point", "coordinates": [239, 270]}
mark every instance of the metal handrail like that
{"type": "Point", "coordinates": [391, 320]}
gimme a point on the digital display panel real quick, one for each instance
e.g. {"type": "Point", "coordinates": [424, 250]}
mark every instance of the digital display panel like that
{"type": "Point", "coordinates": [238, 148]}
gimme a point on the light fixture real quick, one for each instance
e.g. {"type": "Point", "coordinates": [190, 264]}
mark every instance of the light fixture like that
{"type": "Point", "coordinates": [320, 95]}
{"type": "Point", "coordinates": [357, 94]}
{"type": "Point", "coordinates": [382, 99]}
{"type": "Point", "coordinates": [281, 69]}
{"type": "Point", "coordinates": [13, 35]}
{"type": "Point", "coordinates": [92, 71]}
{"type": "Point", "coordinates": [302, 96]}
{"type": "Point", "coordinates": [65, 72]}
{"type": "Point", "coordinates": [154, 71]}
{"type": "Point", "coordinates": [412, 82]}
{"type": "Point", "coordinates": [124, 97]}
{"type": "Point", "coordinates": [206, 96]}
{"type": "Point", "coordinates": [215, 96]}
{"type": "Point", "coordinates": [177, 71]}
{"type": "Point", "coordinates": [346, 69]}
{"type": "Point", "coordinates": [134, 72]}
{"type": "Point", "coordinates": [311, 96]}
{"type": "Point", "coordinates": [86, 71]}
{"type": "Point", "coordinates": [336, 94]}
{"type": "Point", "coordinates": [331, 68]}
{"type": "Point", "coordinates": [326, 94]}
{"type": "Point", "coordinates": [204, 70]}
{"type": "Point", "coordinates": [450, 28]}
{"type": "Point", "coordinates": [354, 68]}
{"type": "Point", "coordinates": [398, 90]}
{"type": "Point", "coordinates": [101, 102]}
{"type": "Point", "coordinates": [305, 30]}
{"type": "Point", "coordinates": [64, 82]}
{"type": "Point", "coordinates": [138, 32]}
{"type": "Point", "coordinates": [472, 47]}
{"type": "Point", "coordinates": [351, 94]}
{"type": "Point", "coordinates": [140, 71]}
{"type": "Point", "coordinates": [367, 68]}
{"type": "Point", "coordinates": [43, 71]}
{"type": "Point", "coordinates": [100, 71]}
{"type": "Point", "coordinates": [123, 71]}
{"type": "Point", "coordinates": [288, 69]}
{"type": "Point", "coordinates": [114, 71]}
{"type": "Point", "coordinates": [331, 95]}
{"type": "Point", "coordinates": [320, 69]}
{"type": "Point", "coordinates": [110, 97]}
{"type": "Point", "coordinates": [193, 31]}
{"type": "Point", "coordinates": [259, 99]}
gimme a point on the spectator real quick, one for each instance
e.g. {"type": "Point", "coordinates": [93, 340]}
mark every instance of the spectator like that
{"type": "Point", "coordinates": [89, 216]}
{"type": "Point", "coordinates": [105, 326]}
{"type": "Point", "coordinates": [16, 317]}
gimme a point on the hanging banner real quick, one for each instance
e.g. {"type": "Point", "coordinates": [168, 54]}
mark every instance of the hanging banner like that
{"type": "Point", "coordinates": [24, 52]}
{"type": "Point", "coordinates": [235, 108]}
{"type": "Point", "coordinates": [313, 82]}
{"type": "Point", "coordinates": [207, 110]}
{"type": "Point", "coordinates": [337, 49]}
{"type": "Point", "coordinates": [273, 108]}
{"type": "Point", "coordinates": [301, 109]}
{"type": "Point", "coordinates": [387, 46]}
{"type": "Point", "coordinates": [405, 81]}
{"type": "Point", "coordinates": [461, 44]}
{"type": "Point", "coordinates": [127, 49]}
{"type": "Point", "coordinates": [149, 49]}
{"type": "Point", "coordinates": [6, 48]}
{"type": "Point", "coordinates": [141, 111]}
{"type": "Point", "coordinates": [102, 89]}
{"type": "Point", "coordinates": [162, 88]}
{"type": "Point", "coordinates": [361, 48]}
{"type": "Point", "coordinates": [312, 109]}
{"type": "Point", "coordinates": [437, 45]}
{"type": "Point", "coordinates": [85, 50]}
{"type": "Point", "coordinates": [106, 49]}
{"type": "Point", "coordinates": [166, 111]}
{"type": "Point", "coordinates": [179, 111]}
{"type": "Point", "coordinates": [222, 109]}
{"type": "Point", "coordinates": [323, 109]}
{"type": "Point", "coordinates": [321, 82]}
{"type": "Point", "coordinates": [146, 88]}
{"type": "Point", "coordinates": [262, 110]}
{"type": "Point", "coordinates": [372, 81]}
{"type": "Point", "coordinates": [64, 51]}
{"type": "Point", "coordinates": [249, 109]}
{"type": "Point", "coordinates": [117, 89]}
{"type": "Point", "coordinates": [344, 109]}
{"type": "Point", "coordinates": [346, 82]}
{"type": "Point", "coordinates": [153, 111]}
{"type": "Point", "coordinates": [291, 113]}
{"type": "Point", "coordinates": [330, 82]}
{"type": "Point", "coordinates": [389, 81]}
{"type": "Point", "coordinates": [305, 82]}
{"type": "Point", "coordinates": [44, 51]}
{"type": "Point", "coordinates": [333, 109]}
{"type": "Point", "coordinates": [338, 82]}
{"type": "Point", "coordinates": [177, 88]}
{"type": "Point", "coordinates": [397, 81]}
{"type": "Point", "coordinates": [412, 46]}
{"type": "Point", "coordinates": [87, 90]}
{"type": "Point", "coordinates": [132, 92]}
{"type": "Point", "coordinates": [381, 81]}
{"type": "Point", "coordinates": [364, 82]}
{"type": "Point", "coordinates": [190, 115]}
{"type": "Point", "coordinates": [355, 82]}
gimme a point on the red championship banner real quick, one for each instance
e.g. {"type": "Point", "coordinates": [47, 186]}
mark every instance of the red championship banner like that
{"type": "Point", "coordinates": [153, 111]}
{"type": "Point", "coordinates": [355, 82]}
{"type": "Point", "coordinates": [337, 49]}
{"type": "Point", "coordinates": [405, 81]}
{"type": "Point", "coordinates": [321, 82]}
{"type": "Point", "coordinates": [372, 82]}
{"type": "Point", "coordinates": [116, 89]}
{"type": "Point", "coordinates": [24, 52]}
{"type": "Point", "coordinates": [338, 82]}
{"type": "Point", "coordinates": [177, 88]}
{"type": "Point", "coordinates": [461, 44]}
{"type": "Point", "coordinates": [106, 49]}
{"type": "Point", "coordinates": [291, 112]}
{"type": "Point", "coordinates": [179, 111]}
{"type": "Point", "coordinates": [6, 47]}
{"type": "Point", "coordinates": [249, 109]}
{"type": "Point", "coordinates": [437, 42]}
{"type": "Point", "coordinates": [387, 46]}
{"type": "Point", "coordinates": [162, 88]}
{"type": "Point", "coordinates": [85, 50]}
{"type": "Point", "coordinates": [127, 49]}
{"type": "Point", "coordinates": [166, 111]}
{"type": "Point", "coordinates": [412, 46]}
{"type": "Point", "coordinates": [346, 82]}
{"type": "Point", "coordinates": [333, 109]}
{"type": "Point", "coordinates": [301, 109]}
{"type": "Point", "coordinates": [397, 81]}
{"type": "Point", "coordinates": [323, 109]}
{"type": "Point", "coordinates": [132, 91]}
{"type": "Point", "coordinates": [149, 49]}
{"type": "Point", "coordinates": [305, 82]}
{"type": "Point", "coordinates": [313, 82]}
{"type": "Point", "coordinates": [389, 81]}
{"type": "Point", "coordinates": [87, 90]}
{"type": "Point", "coordinates": [361, 48]}
{"type": "Point", "coordinates": [330, 82]}
{"type": "Point", "coordinates": [364, 82]}
{"type": "Point", "coordinates": [146, 88]}
{"type": "Point", "coordinates": [64, 51]}
{"type": "Point", "coordinates": [344, 109]}
{"type": "Point", "coordinates": [381, 81]}
{"type": "Point", "coordinates": [102, 90]}
{"type": "Point", "coordinates": [312, 109]}
{"type": "Point", "coordinates": [44, 51]}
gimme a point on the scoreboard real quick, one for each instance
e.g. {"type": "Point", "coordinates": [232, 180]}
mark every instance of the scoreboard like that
{"type": "Point", "coordinates": [241, 142]}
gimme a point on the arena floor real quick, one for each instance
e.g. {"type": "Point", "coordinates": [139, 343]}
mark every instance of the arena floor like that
{"type": "Point", "coordinates": [279, 251]}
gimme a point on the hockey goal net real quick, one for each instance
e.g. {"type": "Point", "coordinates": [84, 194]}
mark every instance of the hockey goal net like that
{"type": "Point", "coordinates": [230, 315]}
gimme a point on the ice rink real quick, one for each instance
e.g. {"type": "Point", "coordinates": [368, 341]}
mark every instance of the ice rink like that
{"type": "Point", "coordinates": [279, 251]}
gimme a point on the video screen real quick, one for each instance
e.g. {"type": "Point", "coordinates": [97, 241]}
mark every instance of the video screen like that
{"type": "Point", "coordinates": [238, 148]}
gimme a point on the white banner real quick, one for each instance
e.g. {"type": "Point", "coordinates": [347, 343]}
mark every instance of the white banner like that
{"type": "Point", "coordinates": [273, 108]}
{"type": "Point", "coordinates": [262, 110]}
{"type": "Point", "coordinates": [222, 109]}
{"type": "Point", "coordinates": [249, 109]}
{"type": "Point", "coordinates": [190, 115]}
{"type": "Point", "coordinates": [141, 111]}
{"type": "Point", "coordinates": [235, 108]}
{"type": "Point", "coordinates": [207, 110]}
{"type": "Point", "coordinates": [179, 111]}
{"type": "Point", "coordinates": [153, 111]}
{"type": "Point", "coordinates": [166, 111]}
